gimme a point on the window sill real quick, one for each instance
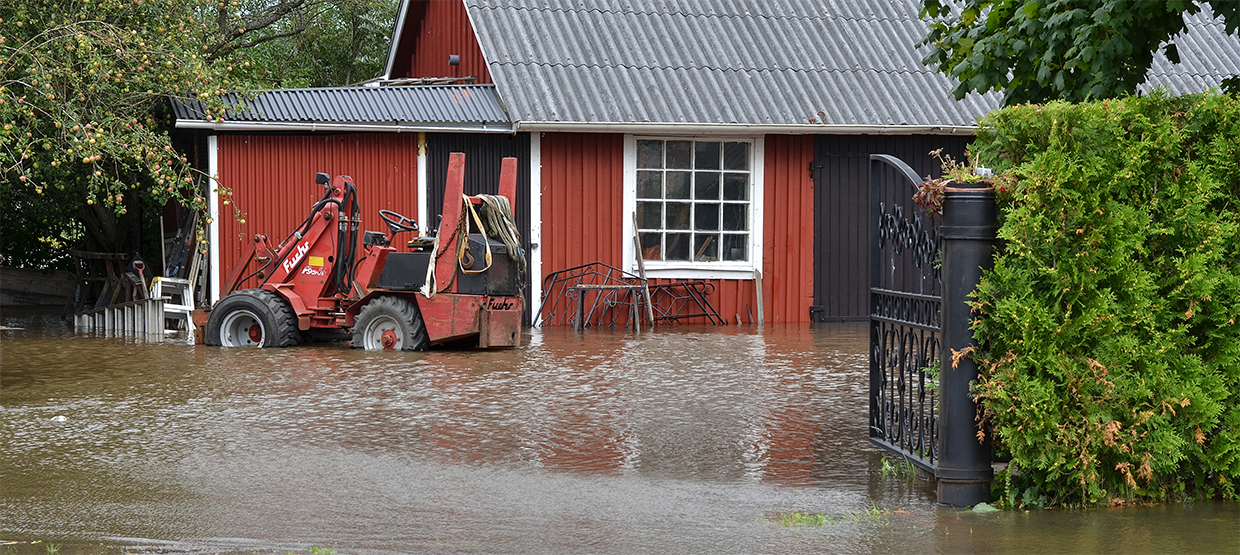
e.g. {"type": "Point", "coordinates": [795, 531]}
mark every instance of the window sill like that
{"type": "Point", "coordinates": [695, 271]}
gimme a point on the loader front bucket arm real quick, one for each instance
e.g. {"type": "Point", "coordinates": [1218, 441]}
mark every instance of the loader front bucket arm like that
{"type": "Point", "coordinates": [259, 249]}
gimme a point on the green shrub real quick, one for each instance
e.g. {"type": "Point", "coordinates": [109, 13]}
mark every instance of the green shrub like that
{"type": "Point", "coordinates": [1109, 328]}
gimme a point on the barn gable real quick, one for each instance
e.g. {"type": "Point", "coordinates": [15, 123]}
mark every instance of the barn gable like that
{"type": "Point", "coordinates": [427, 35]}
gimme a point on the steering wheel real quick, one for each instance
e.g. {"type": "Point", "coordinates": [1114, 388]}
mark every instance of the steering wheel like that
{"type": "Point", "coordinates": [397, 223]}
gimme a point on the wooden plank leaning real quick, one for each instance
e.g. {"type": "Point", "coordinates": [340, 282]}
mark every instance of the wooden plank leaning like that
{"type": "Point", "coordinates": [641, 271]}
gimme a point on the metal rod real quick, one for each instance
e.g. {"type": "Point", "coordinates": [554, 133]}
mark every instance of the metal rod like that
{"type": "Point", "coordinates": [757, 276]}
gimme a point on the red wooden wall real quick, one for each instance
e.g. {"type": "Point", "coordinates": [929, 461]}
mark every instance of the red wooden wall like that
{"type": "Point", "coordinates": [271, 178]}
{"type": "Point", "coordinates": [582, 220]}
{"type": "Point", "coordinates": [438, 29]}
{"type": "Point", "coordinates": [788, 232]}
{"type": "Point", "coordinates": [582, 200]}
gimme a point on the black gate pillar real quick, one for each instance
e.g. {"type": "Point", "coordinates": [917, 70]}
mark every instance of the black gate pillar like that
{"type": "Point", "coordinates": [970, 221]}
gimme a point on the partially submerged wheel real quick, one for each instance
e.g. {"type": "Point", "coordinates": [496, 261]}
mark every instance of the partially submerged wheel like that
{"type": "Point", "coordinates": [389, 323]}
{"type": "Point", "coordinates": [252, 318]}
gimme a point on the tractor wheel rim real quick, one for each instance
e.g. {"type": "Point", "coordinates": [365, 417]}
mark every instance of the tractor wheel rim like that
{"type": "Point", "coordinates": [383, 333]}
{"type": "Point", "coordinates": [242, 328]}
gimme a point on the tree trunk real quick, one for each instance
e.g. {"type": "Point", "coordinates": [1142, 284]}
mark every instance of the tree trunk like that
{"type": "Point", "coordinates": [106, 231]}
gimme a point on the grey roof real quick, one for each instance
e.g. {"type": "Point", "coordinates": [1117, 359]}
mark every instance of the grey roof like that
{"type": "Point", "coordinates": [463, 107]}
{"type": "Point", "coordinates": [801, 63]}
{"type": "Point", "coordinates": [776, 62]}
{"type": "Point", "coordinates": [1207, 56]}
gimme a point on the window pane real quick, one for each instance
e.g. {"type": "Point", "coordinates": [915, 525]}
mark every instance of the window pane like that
{"type": "Point", "coordinates": [677, 215]}
{"type": "Point", "coordinates": [649, 184]}
{"type": "Point", "coordinates": [736, 247]}
{"type": "Point", "coordinates": [736, 156]}
{"type": "Point", "coordinates": [650, 154]}
{"type": "Point", "coordinates": [650, 215]}
{"type": "Point", "coordinates": [735, 186]}
{"type": "Point", "coordinates": [677, 246]}
{"type": "Point", "coordinates": [707, 156]}
{"type": "Point", "coordinates": [706, 248]}
{"type": "Point", "coordinates": [694, 200]}
{"type": "Point", "coordinates": [735, 217]}
{"type": "Point", "coordinates": [678, 184]}
{"type": "Point", "coordinates": [679, 154]}
{"type": "Point", "coordinates": [706, 186]}
{"type": "Point", "coordinates": [651, 248]}
{"type": "Point", "coordinates": [706, 217]}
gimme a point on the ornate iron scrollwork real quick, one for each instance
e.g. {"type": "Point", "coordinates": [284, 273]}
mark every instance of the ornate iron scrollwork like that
{"type": "Point", "coordinates": [909, 247]}
{"type": "Point", "coordinates": [905, 306]}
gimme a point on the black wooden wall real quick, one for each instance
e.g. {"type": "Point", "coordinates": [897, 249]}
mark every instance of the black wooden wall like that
{"type": "Point", "coordinates": [483, 156]}
{"type": "Point", "coordinates": [842, 212]}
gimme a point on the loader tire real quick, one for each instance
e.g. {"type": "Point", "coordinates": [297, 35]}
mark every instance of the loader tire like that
{"type": "Point", "coordinates": [389, 323]}
{"type": "Point", "coordinates": [252, 318]}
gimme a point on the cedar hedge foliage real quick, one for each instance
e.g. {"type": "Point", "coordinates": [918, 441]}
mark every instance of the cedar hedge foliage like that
{"type": "Point", "coordinates": [1109, 328]}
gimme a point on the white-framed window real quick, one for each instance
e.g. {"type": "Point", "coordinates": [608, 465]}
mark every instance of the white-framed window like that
{"type": "Point", "coordinates": [697, 202]}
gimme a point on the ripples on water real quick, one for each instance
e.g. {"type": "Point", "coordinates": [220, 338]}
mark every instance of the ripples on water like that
{"type": "Point", "coordinates": [684, 440]}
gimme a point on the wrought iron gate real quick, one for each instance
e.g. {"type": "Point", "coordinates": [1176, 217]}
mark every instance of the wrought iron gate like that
{"type": "Point", "coordinates": [905, 303]}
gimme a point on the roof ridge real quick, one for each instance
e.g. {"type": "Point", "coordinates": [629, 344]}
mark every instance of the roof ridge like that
{"type": "Point", "coordinates": [384, 88]}
{"type": "Point", "coordinates": [824, 17]}
{"type": "Point", "coordinates": [1168, 75]}
{"type": "Point", "coordinates": [858, 69]}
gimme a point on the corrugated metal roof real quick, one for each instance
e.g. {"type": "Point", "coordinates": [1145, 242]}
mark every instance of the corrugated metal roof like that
{"type": "Point", "coordinates": [1207, 56]}
{"type": "Point", "coordinates": [418, 106]}
{"type": "Point", "coordinates": [776, 62]}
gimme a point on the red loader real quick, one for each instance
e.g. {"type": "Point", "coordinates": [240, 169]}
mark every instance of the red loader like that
{"type": "Point", "coordinates": [461, 287]}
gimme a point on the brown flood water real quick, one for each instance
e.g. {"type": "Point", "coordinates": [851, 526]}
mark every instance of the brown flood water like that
{"type": "Point", "coordinates": [683, 440]}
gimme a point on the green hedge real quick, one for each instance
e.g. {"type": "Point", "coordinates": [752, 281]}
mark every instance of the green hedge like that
{"type": "Point", "coordinates": [1109, 328]}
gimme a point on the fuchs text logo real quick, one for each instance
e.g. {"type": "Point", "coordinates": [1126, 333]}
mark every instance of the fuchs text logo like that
{"type": "Point", "coordinates": [300, 251]}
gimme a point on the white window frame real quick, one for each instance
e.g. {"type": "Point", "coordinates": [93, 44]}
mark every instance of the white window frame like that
{"type": "Point", "coordinates": [686, 269]}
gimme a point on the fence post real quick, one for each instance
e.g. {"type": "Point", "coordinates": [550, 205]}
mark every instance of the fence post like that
{"type": "Point", "coordinates": [970, 221]}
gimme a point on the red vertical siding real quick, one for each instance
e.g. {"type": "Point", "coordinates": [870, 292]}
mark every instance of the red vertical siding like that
{"type": "Point", "coordinates": [445, 30]}
{"type": "Point", "coordinates": [582, 200]}
{"type": "Point", "coordinates": [788, 229]}
{"type": "Point", "coordinates": [582, 220]}
{"type": "Point", "coordinates": [271, 178]}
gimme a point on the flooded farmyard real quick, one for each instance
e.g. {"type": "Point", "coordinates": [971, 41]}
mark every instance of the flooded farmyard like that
{"type": "Point", "coordinates": [680, 440]}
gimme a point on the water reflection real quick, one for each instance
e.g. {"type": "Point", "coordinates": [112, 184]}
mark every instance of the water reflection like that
{"type": "Point", "coordinates": [683, 440]}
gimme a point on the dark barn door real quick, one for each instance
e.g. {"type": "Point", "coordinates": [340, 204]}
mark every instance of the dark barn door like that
{"type": "Point", "coordinates": [483, 155]}
{"type": "Point", "coordinates": [842, 212]}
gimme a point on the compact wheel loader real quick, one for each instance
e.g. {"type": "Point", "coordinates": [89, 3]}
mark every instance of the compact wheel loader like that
{"type": "Point", "coordinates": [461, 287]}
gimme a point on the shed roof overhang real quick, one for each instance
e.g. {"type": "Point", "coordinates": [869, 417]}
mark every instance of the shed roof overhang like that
{"type": "Point", "coordinates": [321, 127]}
{"type": "Point", "coordinates": [407, 109]}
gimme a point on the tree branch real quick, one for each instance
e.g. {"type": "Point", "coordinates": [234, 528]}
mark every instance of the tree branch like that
{"type": "Point", "coordinates": [231, 35]}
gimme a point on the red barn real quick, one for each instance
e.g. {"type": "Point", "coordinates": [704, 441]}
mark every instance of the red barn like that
{"type": "Point", "coordinates": [734, 137]}
{"type": "Point", "coordinates": [738, 138]}
{"type": "Point", "coordinates": [735, 159]}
